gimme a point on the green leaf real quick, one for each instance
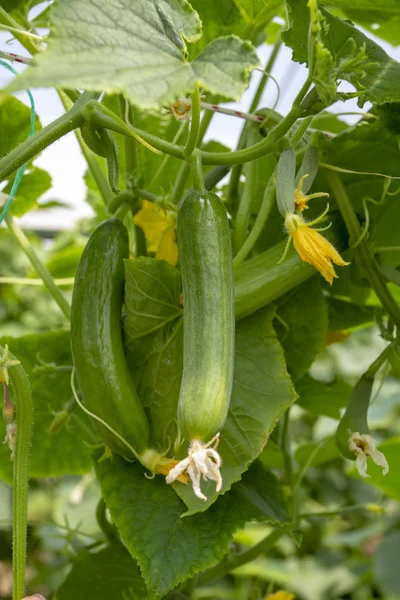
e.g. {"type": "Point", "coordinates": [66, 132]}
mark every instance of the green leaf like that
{"type": "Point", "coordinates": [174, 548]}
{"type": "Point", "coordinates": [389, 484]}
{"type": "Point", "coordinates": [15, 123]}
{"type": "Point", "coordinates": [348, 315]}
{"type": "Point", "coordinates": [154, 342]}
{"type": "Point", "coordinates": [218, 19]}
{"type": "Point", "coordinates": [108, 573]}
{"type": "Point", "coordinates": [152, 292]}
{"type": "Point", "coordinates": [381, 18]}
{"type": "Point", "coordinates": [262, 391]}
{"type": "Point", "coordinates": [58, 454]}
{"type": "Point", "coordinates": [34, 184]}
{"type": "Point", "coordinates": [137, 49]}
{"type": "Point", "coordinates": [302, 326]}
{"type": "Point", "coordinates": [377, 76]}
{"type": "Point", "coordinates": [317, 454]}
{"type": "Point", "coordinates": [386, 563]}
{"type": "Point", "coordinates": [320, 398]}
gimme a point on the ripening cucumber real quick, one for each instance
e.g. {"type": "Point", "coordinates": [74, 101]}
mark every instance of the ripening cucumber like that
{"type": "Point", "coordinates": [96, 339]}
{"type": "Point", "coordinates": [205, 253]}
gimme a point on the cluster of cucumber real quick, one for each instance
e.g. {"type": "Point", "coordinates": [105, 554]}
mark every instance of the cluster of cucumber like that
{"type": "Point", "coordinates": [103, 376]}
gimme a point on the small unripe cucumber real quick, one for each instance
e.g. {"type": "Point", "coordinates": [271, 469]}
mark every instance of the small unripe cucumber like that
{"type": "Point", "coordinates": [205, 253]}
{"type": "Point", "coordinates": [96, 339]}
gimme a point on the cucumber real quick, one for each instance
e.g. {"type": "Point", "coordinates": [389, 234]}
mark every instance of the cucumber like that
{"type": "Point", "coordinates": [205, 253]}
{"type": "Point", "coordinates": [96, 340]}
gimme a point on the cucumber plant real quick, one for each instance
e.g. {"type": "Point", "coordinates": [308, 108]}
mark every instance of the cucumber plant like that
{"type": "Point", "coordinates": [165, 339]}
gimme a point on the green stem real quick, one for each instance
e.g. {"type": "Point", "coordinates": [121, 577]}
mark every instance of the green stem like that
{"type": "Point", "coordinates": [22, 392]}
{"type": "Point", "coordinates": [302, 128]}
{"type": "Point", "coordinates": [109, 530]}
{"type": "Point", "coordinates": [205, 123]}
{"type": "Point", "coordinates": [233, 562]}
{"type": "Point", "coordinates": [247, 198]}
{"type": "Point", "coordinates": [20, 32]}
{"type": "Point", "coordinates": [101, 116]}
{"type": "Point", "coordinates": [268, 68]}
{"type": "Point", "coordinates": [333, 513]}
{"type": "Point", "coordinates": [130, 145]}
{"type": "Point", "coordinates": [261, 280]}
{"type": "Point", "coordinates": [27, 43]}
{"type": "Point", "coordinates": [179, 185]}
{"type": "Point", "coordinates": [43, 138]}
{"type": "Point", "coordinates": [193, 137]}
{"type": "Point", "coordinates": [213, 177]}
{"type": "Point", "coordinates": [38, 266]}
{"type": "Point", "coordinates": [197, 171]}
{"type": "Point", "coordinates": [263, 214]}
{"type": "Point", "coordinates": [362, 252]}
{"type": "Point", "coordinates": [167, 157]}
{"type": "Point", "coordinates": [265, 146]}
{"type": "Point", "coordinates": [92, 160]}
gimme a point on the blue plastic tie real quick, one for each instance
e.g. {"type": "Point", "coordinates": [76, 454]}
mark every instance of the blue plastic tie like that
{"type": "Point", "coordinates": [20, 171]}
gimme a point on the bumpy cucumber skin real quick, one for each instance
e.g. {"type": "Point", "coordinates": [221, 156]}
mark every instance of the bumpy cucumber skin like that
{"type": "Point", "coordinates": [96, 340]}
{"type": "Point", "coordinates": [205, 253]}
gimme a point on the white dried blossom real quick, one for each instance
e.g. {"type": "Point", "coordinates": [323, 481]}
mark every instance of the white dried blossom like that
{"type": "Point", "coordinates": [364, 446]}
{"type": "Point", "coordinates": [11, 437]}
{"type": "Point", "coordinates": [204, 461]}
{"type": "Point", "coordinates": [182, 109]}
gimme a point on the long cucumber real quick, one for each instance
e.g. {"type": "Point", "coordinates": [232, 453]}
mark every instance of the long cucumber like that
{"type": "Point", "coordinates": [96, 339]}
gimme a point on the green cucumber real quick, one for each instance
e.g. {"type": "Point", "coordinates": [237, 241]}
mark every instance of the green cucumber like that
{"type": "Point", "coordinates": [96, 339]}
{"type": "Point", "coordinates": [205, 253]}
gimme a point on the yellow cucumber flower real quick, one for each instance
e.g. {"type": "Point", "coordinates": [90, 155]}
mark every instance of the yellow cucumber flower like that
{"type": "Point", "coordinates": [281, 595]}
{"type": "Point", "coordinates": [158, 225]}
{"type": "Point", "coordinates": [301, 199]}
{"type": "Point", "coordinates": [312, 247]}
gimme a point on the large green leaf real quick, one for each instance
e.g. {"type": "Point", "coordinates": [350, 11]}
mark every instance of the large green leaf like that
{"type": "Point", "coordinates": [378, 78]}
{"type": "Point", "coordinates": [138, 49]}
{"type": "Point", "coordinates": [381, 18]}
{"type": "Point", "coordinates": [261, 393]}
{"type": "Point", "coordinates": [15, 123]}
{"type": "Point", "coordinates": [262, 389]}
{"type": "Point", "coordinates": [64, 452]}
{"type": "Point", "coordinates": [170, 549]}
{"type": "Point", "coordinates": [320, 398]}
{"type": "Point", "coordinates": [386, 563]}
{"type": "Point", "coordinates": [152, 292]}
{"type": "Point", "coordinates": [302, 326]}
{"type": "Point", "coordinates": [34, 184]}
{"type": "Point", "coordinates": [108, 573]}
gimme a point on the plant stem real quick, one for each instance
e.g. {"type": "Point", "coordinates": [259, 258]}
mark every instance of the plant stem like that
{"type": "Point", "coordinates": [27, 43]}
{"type": "Point", "coordinates": [35, 282]}
{"type": "Point", "coordinates": [179, 185]}
{"type": "Point", "coordinates": [204, 124]}
{"type": "Point", "coordinates": [193, 137]}
{"type": "Point", "coordinates": [197, 171]}
{"type": "Point", "coordinates": [109, 530]}
{"type": "Point", "coordinates": [130, 145]}
{"type": "Point", "coordinates": [247, 198]}
{"type": "Point", "coordinates": [263, 213]}
{"type": "Point", "coordinates": [38, 266]}
{"type": "Point", "coordinates": [167, 157]}
{"type": "Point", "coordinates": [20, 32]}
{"type": "Point", "coordinates": [362, 252]}
{"type": "Point", "coordinates": [22, 391]}
{"type": "Point", "coordinates": [333, 513]}
{"type": "Point", "coordinates": [232, 562]}
{"type": "Point", "coordinates": [268, 68]}
{"type": "Point", "coordinates": [43, 138]}
{"type": "Point", "coordinates": [260, 280]}
{"type": "Point", "coordinates": [92, 160]}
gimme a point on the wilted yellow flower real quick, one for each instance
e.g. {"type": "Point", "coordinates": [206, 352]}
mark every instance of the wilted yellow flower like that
{"type": "Point", "coordinates": [312, 247]}
{"type": "Point", "coordinates": [301, 199]}
{"type": "Point", "coordinates": [158, 225]}
{"type": "Point", "coordinates": [281, 595]}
